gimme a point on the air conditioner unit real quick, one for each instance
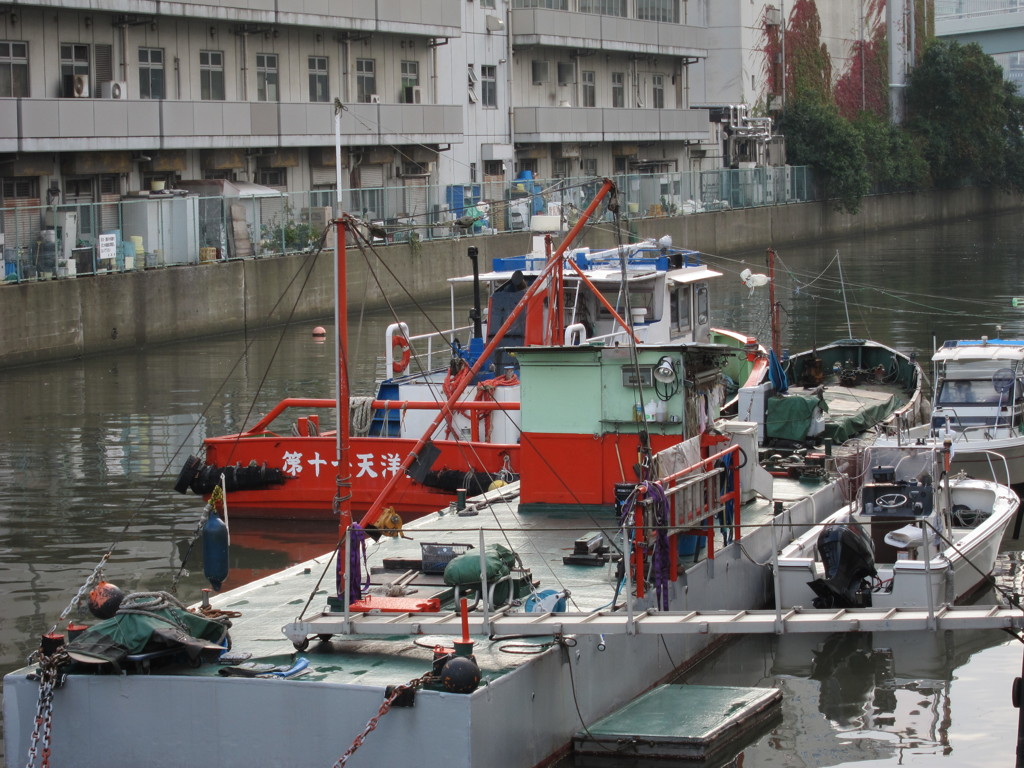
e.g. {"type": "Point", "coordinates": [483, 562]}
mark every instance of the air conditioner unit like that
{"type": "Point", "coordinates": [115, 89]}
{"type": "Point", "coordinates": [80, 86]}
{"type": "Point", "coordinates": [374, 98]}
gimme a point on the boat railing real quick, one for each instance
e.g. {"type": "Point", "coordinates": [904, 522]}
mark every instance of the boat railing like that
{"type": "Point", "coordinates": [420, 352]}
{"type": "Point", "coordinates": [311, 425]}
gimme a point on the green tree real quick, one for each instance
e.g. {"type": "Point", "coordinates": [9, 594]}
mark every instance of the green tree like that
{"type": "Point", "coordinates": [895, 162]}
{"type": "Point", "coordinates": [960, 110]}
{"type": "Point", "coordinates": [818, 136]}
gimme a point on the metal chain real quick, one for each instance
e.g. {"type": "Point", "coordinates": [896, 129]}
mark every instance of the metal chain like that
{"type": "Point", "coordinates": [384, 709]}
{"type": "Point", "coordinates": [49, 675]}
{"type": "Point", "coordinates": [94, 578]}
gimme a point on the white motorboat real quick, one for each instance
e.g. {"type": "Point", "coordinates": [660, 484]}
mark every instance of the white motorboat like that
{"type": "Point", "coordinates": [979, 406]}
{"type": "Point", "coordinates": [917, 536]}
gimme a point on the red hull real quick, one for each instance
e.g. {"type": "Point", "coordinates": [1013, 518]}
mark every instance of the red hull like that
{"type": "Point", "coordinates": [308, 463]}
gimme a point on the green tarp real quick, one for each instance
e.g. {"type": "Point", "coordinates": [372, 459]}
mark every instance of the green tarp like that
{"type": "Point", "coordinates": [848, 413]}
{"type": "Point", "coordinates": [126, 634]}
{"type": "Point", "coordinates": [789, 417]}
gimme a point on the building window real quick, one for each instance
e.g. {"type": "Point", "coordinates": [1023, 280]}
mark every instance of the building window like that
{"type": "Point", "coordinates": [527, 164]}
{"type": "Point", "coordinates": [658, 10]}
{"type": "Point", "coordinates": [74, 69]}
{"type": "Point", "coordinates": [272, 177]}
{"type": "Point", "coordinates": [151, 73]}
{"type": "Point", "coordinates": [539, 71]}
{"type": "Point", "coordinates": [589, 78]}
{"type": "Point", "coordinates": [78, 192]}
{"type": "Point", "coordinates": [410, 82]}
{"type": "Point", "coordinates": [266, 76]}
{"type": "Point", "coordinates": [607, 7]}
{"type": "Point", "coordinates": [366, 80]}
{"type": "Point", "coordinates": [487, 4]}
{"type": "Point", "coordinates": [211, 75]}
{"type": "Point", "coordinates": [566, 73]}
{"type": "Point", "coordinates": [318, 78]}
{"type": "Point", "coordinates": [25, 187]}
{"type": "Point", "coordinates": [658, 91]}
{"type": "Point", "coordinates": [494, 168]}
{"type": "Point", "coordinates": [558, 5]}
{"type": "Point", "coordinates": [562, 168]}
{"type": "Point", "coordinates": [471, 83]}
{"type": "Point", "coordinates": [13, 69]}
{"type": "Point", "coordinates": [588, 166]}
{"type": "Point", "coordinates": [618, 89]}
{"type": "Point", "coordinates": [489, 85]}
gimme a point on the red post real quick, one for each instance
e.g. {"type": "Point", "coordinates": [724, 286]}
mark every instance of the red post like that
{"type": "Point", "coordinates": [343, 495]}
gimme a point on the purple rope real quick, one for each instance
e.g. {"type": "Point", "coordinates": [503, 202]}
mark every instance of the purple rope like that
{"type": "Point", "coordinates": [660, 561]}
{"type": "Point", "coordinates": [356, 560]}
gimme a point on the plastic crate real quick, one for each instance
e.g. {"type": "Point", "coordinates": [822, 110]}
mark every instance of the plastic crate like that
{"type": "Point", "coordinates": [437, 556]}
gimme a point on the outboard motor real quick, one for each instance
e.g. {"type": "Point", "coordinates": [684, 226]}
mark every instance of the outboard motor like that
{"type": "Point", "coordinates": [849, 559]}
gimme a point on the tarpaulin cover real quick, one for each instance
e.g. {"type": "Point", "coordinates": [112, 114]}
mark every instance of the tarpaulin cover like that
{"type": "Point", "coordinates": [789, 417]}
{"type": "Point", "coordinates": [863, 413]}
{"type": "Point", "coordinates": [464, 570]}
{"type": "Point", "coordinates": [113, 640]}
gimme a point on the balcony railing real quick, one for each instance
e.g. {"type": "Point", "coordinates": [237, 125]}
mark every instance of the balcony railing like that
{"type": "Point", "coordinates": [68, 125]}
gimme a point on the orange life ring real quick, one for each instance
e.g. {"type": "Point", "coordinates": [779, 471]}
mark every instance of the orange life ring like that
{"type": "Point", "coordinates": [400, 364]}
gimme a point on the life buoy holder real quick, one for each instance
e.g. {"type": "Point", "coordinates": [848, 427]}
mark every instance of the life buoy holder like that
{"type": "Point", "coordinates": [399, 364]}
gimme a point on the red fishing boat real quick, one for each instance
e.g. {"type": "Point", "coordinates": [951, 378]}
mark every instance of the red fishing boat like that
{"type": "Point", "coordinates": [464, 401]}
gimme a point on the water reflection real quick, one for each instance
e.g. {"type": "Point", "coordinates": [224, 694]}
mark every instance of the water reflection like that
{"type": "Point", "coordinates": [89, 451]}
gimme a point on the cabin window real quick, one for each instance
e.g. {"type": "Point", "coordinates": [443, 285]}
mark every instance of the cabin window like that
{"type": "Point", "coordinates": [639, 298]}
{"type": "Point", "coordinates": [974, 391]}
{"type": "Point", "coordinates": [702, 304]}
{"type": "Point", "coordinates": [679, 300]}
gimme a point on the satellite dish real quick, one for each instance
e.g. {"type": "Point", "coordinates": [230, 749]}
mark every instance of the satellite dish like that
{"type": "Point", "coordinates": [1002, 380]}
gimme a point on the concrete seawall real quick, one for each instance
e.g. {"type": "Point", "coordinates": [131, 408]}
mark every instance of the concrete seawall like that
{"type": "Point", "coordinates": [60, 319]}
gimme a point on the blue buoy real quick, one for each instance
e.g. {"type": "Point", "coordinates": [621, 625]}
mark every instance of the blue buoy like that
{"type": "Point", "coordinates": [215, 551]}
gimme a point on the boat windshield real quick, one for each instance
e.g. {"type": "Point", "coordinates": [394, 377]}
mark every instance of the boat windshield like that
{"type": "Point", "coordinates": [908, 463]}
{"type": "Point", "coordinates": [960, 391]}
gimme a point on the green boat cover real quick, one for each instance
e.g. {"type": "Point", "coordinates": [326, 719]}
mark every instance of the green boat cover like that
{"type": "Point", "coordinates": [789, 417]}
{"type": "Point", "coordinates": [167, 628]}
{"type": "Point", "coordinates": [851, 412]}
{"type": "Point", "coordinates": [464, 570]}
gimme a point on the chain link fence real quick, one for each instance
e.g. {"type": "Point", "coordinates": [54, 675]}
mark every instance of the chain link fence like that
{"type": "Point", "coordinates": [177, 227]}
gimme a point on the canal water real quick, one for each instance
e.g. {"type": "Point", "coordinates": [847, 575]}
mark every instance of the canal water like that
{"type": "Point", "coordinates": [90, 450]}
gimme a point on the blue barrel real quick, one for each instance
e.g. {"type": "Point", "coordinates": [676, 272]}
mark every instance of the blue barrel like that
{"type": "Point", "coordinates": [215, 551]}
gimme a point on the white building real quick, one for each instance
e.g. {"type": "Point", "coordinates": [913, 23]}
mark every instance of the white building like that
{"type": "Point", "coordinates": [104, 98]}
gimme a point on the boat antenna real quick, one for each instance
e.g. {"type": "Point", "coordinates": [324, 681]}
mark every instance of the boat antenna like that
{"type": "Point", "coordinates": [842, 284]}
{"type": "Point", "coordinates": [643, 432]}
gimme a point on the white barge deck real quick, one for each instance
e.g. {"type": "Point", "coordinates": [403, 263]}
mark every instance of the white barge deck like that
{"type": "Point", "coordinates": [535, 693]}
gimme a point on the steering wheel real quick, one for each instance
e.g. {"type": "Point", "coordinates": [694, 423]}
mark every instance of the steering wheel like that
{"type": "Point", "coordinates": [891, 500]}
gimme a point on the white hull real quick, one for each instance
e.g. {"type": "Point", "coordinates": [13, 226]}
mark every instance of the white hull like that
{"type": "Point", "coordinates": [523, 716]}
{"type": "Point", "coordinates": [986, 454]}
{"type": "Point", "coordinates": [948, 576]}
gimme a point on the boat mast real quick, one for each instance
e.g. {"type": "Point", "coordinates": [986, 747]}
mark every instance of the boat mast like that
{"type": "Point", "coordinates": [343, 495]}
{"type": "Point", "coordinates": [773, 307]}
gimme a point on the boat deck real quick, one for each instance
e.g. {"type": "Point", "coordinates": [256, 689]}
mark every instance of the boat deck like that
{"type": "Point", "coordinates": [541, 539]}
{"type": "Point", "coordinates": [535, 691]}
